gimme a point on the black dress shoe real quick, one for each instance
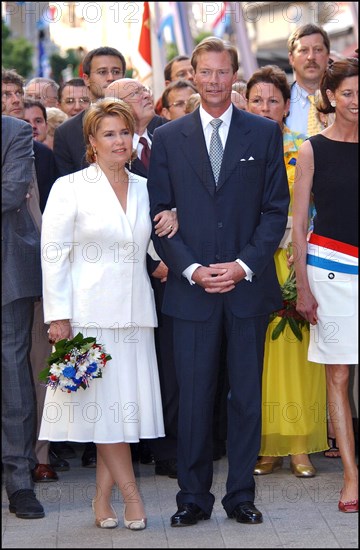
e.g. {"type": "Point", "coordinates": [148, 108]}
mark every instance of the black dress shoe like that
{"type": "Point", "coordinates": [24, 504]}
{"type": "Point", "coordinates": [57, 463]}
{"type": "Point", "coordinates": [88, 459]}
{"type": "Point", "coordinates": [166, 468]}
{"type": "Point", "coordinates": [188, 514]}
{"type": "Point", "coordinates": [62, 449]}
{"type": "Point", "coordinates": [246, 512]}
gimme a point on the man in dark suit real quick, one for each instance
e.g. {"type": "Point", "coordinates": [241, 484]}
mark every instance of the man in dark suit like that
{"type": "Point", "coordinates": [141, 102]}
{"type": "Point", "coordinates": [223, 170]}
{"type": "Point", "coordinates": [45, 174]}
{"type": "Point", "coordinates": [21, 284]}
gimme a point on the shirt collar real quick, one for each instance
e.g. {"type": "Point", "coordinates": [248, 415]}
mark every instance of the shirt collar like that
{"type": "Point", "coordinates": [301, 92]}
{"type": "Point", "coordinates": [206, 118]}
{"type": "Point", "coordinates": [137, 137]}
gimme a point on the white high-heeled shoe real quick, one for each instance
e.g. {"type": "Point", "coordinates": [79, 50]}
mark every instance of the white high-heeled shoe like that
{"type": "Point", "coordinates": [105, 523]}
{"type": "Point", "coordinates": [135, 524]}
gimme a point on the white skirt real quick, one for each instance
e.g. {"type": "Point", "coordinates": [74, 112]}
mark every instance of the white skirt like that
{"type": "Point", "coordinates": [122, 406]}
{"type": "Point", "coordinates": [334, 340]}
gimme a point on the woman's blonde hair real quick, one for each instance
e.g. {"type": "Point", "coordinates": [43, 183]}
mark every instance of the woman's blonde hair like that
{"type": "Point", "coordinates": [97, 112]}
{"type": "Point", "coordinates": [55, 117]}
{"type": "Point", "coordinates": [193, 101]}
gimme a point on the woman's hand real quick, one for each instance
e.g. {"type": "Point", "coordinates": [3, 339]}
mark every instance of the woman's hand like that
{"type": "Point", "coordinates": [59, 330]}
{"type": "Point", "coordinates": [307, 306]}
{"type": "Point", "coordinates": [167, 223]}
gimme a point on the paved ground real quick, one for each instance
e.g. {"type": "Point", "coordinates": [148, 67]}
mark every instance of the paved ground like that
{"type": "Point", "coordinates": [298, 513]}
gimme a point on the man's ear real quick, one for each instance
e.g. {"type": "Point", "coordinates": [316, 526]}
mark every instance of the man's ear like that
{"type": "Point", "coordinates": [291, 60]}
{"type": "Point", "coordinates": [165, 113]}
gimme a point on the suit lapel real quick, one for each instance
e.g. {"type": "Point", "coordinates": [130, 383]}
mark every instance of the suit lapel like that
{"type": "Point", "coordinates": [194, 148]}
{"type": "Point", "coordinates": [236, 144]}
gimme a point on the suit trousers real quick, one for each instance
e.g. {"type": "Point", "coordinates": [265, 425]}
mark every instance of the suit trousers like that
{"type": "Point", "coordinates": [40, 351]}
{"type": "Point", "coordinates": [197, 348]}
{"type": "Point", "coordinates": [165, 448]}
{"type": "Point", "coordinates": [18, 396]}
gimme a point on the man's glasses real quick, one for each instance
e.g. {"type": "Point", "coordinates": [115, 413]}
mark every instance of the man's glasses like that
{"type": "Point", "coordinates": [104, 72]}
{"type": "Point", "coordinates": [139, 92]}
{"type": "Point", "coordinates": [81, 100]}
{"type": "Point", "coordinates": [180, 104]}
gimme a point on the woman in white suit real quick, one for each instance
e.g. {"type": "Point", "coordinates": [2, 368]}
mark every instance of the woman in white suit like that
{"type": "Point", "coordinates": [95, 234]}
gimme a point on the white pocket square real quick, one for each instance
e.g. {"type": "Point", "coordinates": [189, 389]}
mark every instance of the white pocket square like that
{"type": "Point", "coordinates": [244, 160]}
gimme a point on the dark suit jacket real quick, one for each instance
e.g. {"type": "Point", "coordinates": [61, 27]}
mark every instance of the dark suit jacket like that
{"type": "Point", "coordinates": [243, 217]}
{"type": "Point", "coordinates": [20, 250]}
{"type": "Point", "coordinates": [69, 145]}
{"type": "Point", "coordinates": [46, 171]}
{"type": "Point", "coordinates": [155, 122]}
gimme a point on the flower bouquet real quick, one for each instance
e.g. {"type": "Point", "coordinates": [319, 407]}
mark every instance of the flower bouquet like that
{"type": "Point", "coordinates": [74, 363]}
{"type": "Point", "coordinates": [289, 315]}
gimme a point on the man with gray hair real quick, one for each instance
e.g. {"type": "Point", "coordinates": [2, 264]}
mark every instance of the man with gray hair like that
{"type": "Point", "coordinates": [44, 90]}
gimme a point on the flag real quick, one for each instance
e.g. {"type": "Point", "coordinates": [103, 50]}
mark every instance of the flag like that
{"type": "Point", "coordinates": [248, 59]}
{"type": "Point", "coordinates": [145, 41]}
{"type": "Point", "coordinates": [184, 40]}
{"type": "Point", "coordinates": [166, 26]}
{"type": "Point", "coordinates": [222, 23]}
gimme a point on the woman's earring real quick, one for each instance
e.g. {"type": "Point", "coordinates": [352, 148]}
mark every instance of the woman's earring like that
{"type": "Point", "coordinates": [333, 103]}
{"type": "Point", "coordinates": [95, 153]}
{"type": "Point", "coordinates": [130, 162]}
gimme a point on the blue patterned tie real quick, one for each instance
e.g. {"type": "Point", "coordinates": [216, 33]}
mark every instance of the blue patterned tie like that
{"type": "Point", "coordinates": [216, 148]}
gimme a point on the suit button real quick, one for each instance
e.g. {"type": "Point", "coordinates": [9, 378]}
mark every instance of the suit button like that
{"type": "Point", "coordinates": [219, 225]}
{"type": "Point", "coordinates": [331, 275]}
{"type": "Point", "coordinates": [217, 257]}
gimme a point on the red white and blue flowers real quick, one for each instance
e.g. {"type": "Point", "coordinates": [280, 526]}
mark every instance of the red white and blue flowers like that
{"type": "Point", "coordinates": [74, 363]}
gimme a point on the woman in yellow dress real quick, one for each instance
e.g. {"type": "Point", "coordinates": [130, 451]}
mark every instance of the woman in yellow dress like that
{"type": "Point", "coordinates": [294, 389]}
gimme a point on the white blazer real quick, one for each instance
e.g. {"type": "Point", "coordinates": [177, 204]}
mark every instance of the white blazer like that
{"type": "Point", "coordinates": [94, 255]}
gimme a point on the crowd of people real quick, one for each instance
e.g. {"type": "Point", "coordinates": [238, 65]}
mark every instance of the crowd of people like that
{"type": "Point", "coordinates": [201, 211]}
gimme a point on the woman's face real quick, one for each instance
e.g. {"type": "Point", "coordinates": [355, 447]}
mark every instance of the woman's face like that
{"type": "Point", "coordinates": [266, 100]}
{"type": "Point", "coordinates": [112, 141]}
{"type": "Point", "coordinates": [347, 99]}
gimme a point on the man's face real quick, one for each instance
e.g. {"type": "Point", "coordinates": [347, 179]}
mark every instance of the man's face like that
{"type": "Point", "coordinates": [309, 60]}
{"type": "Point", "coordinates": [138, 96]}
{"type": "Point", "coordinates": [214, 77]}
{"type": "Point", "coordinates": [182, 70]}
{"type": "Point", "coordinates": [177, 99]}
{"type": "Point", "coordinates": [44, 92]}
{"type": "Point", "coordinates": [12, 100]}
{"type": "Point", "coordinates": [34, 116]}
{"type": "Point", "coordinates": [104, 69]}
{"type": "Point", "coordinates": [74, 99]}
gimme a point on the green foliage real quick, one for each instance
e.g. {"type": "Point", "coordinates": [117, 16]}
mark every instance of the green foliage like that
{"type": "Point", "coordinates": [171, 51]}
{"type": "Point", "coordinates": [59, 62]}
{"type": "Point", "coordinates": [201, 37]}
{"type": "Point", "coordinates": [16, 52]}
{"type": "Point", "coordinates": [289, 315]}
